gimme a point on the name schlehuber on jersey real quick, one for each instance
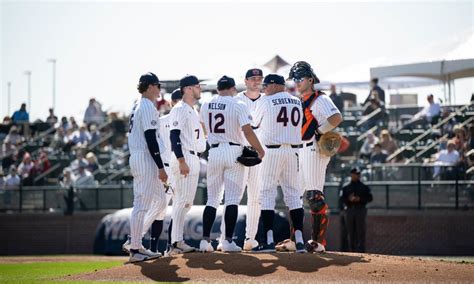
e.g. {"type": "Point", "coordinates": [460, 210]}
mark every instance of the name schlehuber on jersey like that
{"type": "Point", "coordinates": [217, 106]}
{"type": "Point", "coordinates": [282, 101]}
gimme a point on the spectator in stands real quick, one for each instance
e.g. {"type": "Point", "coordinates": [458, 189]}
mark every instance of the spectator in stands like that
{"type": "Point", "coordinates": [375, 89]}
{"type": "Point", "coordinates": [94, 134]}
{"type": "Point", "coordinates": [368, 146]}
{"type": "Point", "coordinates": [447, 128]}
{"type": "Point", "coordinates": [94, 113]}
{"type": "Point", "coordinates": [447, 157]}
{"type": "Point", "coordinates": [64, 123]}
{"type": "Point", "coordinates": [2, 179]}
{"type": "Point", "coordinates": [460, 138]}
{"type": "Point", "coordinates": [7, 120]}
{"type": "Point", "coordinates": [43, 164]}
{"type": "Point", "coordinates": [163, 106]}
{"type": "Point", "coordinates": [429, 114]}
{"type": "Point", "coordinates": [52, 119]}
{"type": "Point", "coordinates": [337, 99]}
{"type": "Point", "coordinates": [375, 105]}
{"type": "Point", "coordinates": [68, 178]}
{"type": "Point", "coordinates": [14, 137]}
{"type": "Point", "coordinates": [84, 178]}
{"type": "Point", "coordinates": [378, 156]}
{"type": "Point", "coordinates": [8, 154]}
{"type": "Point", "coordinates": [92, 163]}
{"type": "Point", "coordinates": [78, 162]}
{"type": "Point", "coordinates": [21, 115]}
{"type": "Point", "coordinates": [73, 124]}
{"type": "Point", "coordinates": [389, 145]}
{"type": "Point", "coordinates": [25, 169]}
{"type": "Point", "coordinates": [58, 142]}
{"type": "Point", "coordinates": [355, 197]}
{"type": "Point", "coordinates": [81, 137]}
{"type": "Point", "coordinates": [470, 140]}
{"type": "Point", "coordinates": [13, 179]}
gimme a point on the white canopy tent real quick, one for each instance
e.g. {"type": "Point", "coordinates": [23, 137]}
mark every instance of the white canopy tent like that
{"type": "Point", "coordinates": [444, 71]}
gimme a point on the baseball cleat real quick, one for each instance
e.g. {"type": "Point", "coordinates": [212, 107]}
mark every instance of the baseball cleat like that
{"type": "Point", "coordinates": [286, 246]}
{"type": "Point", "coordinates": [230, 246]}
{"type": "Point", "coordinates": [143, 255]}
{"type": "Point", "coordinates": [126, 246]}
{"type": "Point", "coordinates": [184, 247]}
{"type": "Point", "coordinates": [205, 246]}
{"type": "Point", "coordinates": [172, 251]}
{"type": "Point", "coordinates": [249, 244]}
{"type": "Point", "coordinates": [313, 246]}
{"type": "Point", "coordinates": [300, 248]}
{"type": "Point", "coordinates": [265, 248]}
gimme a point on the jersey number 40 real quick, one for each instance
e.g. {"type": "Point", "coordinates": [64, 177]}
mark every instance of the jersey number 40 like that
{"type": "Point", "coordinates": [219, 122]}
{"type": "Point", "coordinates": [295, 116]}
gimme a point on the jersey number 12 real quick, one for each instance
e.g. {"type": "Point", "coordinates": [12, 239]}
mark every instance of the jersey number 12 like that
{"type": "Point", "coordinates": [219, 119]}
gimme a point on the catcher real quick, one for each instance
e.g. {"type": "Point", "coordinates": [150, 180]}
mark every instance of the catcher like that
{"type": "Point", "coordinates": [320, 142]}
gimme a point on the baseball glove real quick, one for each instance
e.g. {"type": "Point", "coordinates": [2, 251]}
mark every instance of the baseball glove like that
{"type": "Point", "coordinates": [249, 157]}
{"type": "Point", "coordinates": [329, 143]}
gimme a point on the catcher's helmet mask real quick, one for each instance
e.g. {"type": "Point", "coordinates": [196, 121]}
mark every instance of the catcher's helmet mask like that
{"type": "Point", "coordinates": [301, 70]}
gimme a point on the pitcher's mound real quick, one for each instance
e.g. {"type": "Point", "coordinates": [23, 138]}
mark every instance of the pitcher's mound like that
{"type": "Point", "coordinates": [287, 267]}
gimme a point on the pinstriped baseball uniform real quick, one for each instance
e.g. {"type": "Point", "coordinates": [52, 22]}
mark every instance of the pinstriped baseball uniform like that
{"type": "Point", "coordinates": [185, 118]}
{"type": "Point", "coordinates": [252, 180]}
{"type": "Point", "coordinates": [279, 118]}
{"type": "Point", "coordinates": [147, 187]}
{"type": "Point", "coordinates": [223, 118]}
{"type": "Point", "coordinates": [165, 150]}
{"type": "Point", "coordinates": [313, 164]}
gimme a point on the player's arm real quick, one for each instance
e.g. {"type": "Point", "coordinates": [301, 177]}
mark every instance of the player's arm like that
{"type": "Point", "coordinates": [334, 117]}
{"type": "Point", "coordinates": [150, 122]}
{"type": "Point", "coordinates": [245, 122]}
{"type": "Point", "coordinates": [253, 140]}
{"type": "Point", "coordinates": [153, 148]}
{"type": "Point", "coordinates": [178, 120]}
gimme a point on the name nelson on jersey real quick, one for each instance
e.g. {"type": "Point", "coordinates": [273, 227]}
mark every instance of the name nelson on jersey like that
{"type": "Point", "coordinates": [217, 106]}
{"type": "Point", "coordinates": [283, 101]}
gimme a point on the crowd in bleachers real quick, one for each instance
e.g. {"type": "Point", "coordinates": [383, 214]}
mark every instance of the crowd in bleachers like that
{"type": "Point", "coordinates": [70, 153]}
{"type": "Point", "coordinates": [53, 151]}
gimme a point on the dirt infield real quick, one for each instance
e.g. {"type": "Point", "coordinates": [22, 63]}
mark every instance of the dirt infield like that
{"type": "Point", "coordinates": [287, 267]}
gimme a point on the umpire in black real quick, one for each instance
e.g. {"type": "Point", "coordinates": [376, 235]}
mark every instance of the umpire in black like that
{"type": "Point", "coordinates": [354, 197]}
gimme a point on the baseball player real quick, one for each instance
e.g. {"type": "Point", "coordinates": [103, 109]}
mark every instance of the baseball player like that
{"type": "Point", "coordinates": [278, 117]}
{"type": "Point", "coordinates": [227, 121]}
{"type": "Point", "coordinates": [153, 216]}
{"type": "Point", "coordinates": [188, 141]}
{"type": "Point", "coordinates": [144, 158]}
{"type": "Point", "coordinates": [320, 116]}
{"type": "Point", "coordinates": [251, 96]}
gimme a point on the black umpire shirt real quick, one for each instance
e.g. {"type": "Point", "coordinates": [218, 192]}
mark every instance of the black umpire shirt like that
{"type": "Point", "coordinates": [359, 189]}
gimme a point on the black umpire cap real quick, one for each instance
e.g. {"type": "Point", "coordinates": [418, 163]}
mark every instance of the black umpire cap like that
{"type": "Point", "coordinates": [355, 170]}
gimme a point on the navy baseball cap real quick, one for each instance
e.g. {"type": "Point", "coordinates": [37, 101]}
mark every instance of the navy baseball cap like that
{"type": "Point", "coordinates": [188, 80]}
{"type": "Point", "coordinates": [253, 73]}
{"type": "Point", "coordinates": [149, 79]}
{"type": "Point", "coordinates": [355, 170]}
{"type": "Point", "coordinates": [225, 83]}
{"type": "Point", "coordinates": [274, 79]}
{"type": "Point", "coordinates": [176, 95]}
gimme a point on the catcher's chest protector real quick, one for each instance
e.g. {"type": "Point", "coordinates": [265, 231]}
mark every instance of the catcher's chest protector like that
{"type": "Point", "coordinates": [310, 124]}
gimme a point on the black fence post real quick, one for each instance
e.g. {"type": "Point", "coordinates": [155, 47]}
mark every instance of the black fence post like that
{"type": "Point", "coordinates": [96, 198]}
{"type": "Point", "coordinates": [419, 187]}
{"type": "Point", "coordinates": [21, 196]}
{"type": "Point", "coordinates": [44, 199]}
{"type": "Point", "coordinates": [387, 197]}
{"type": "Point", "coordinates": [457, 189]}
{"type": "Point", "coordinates": [121, 195]}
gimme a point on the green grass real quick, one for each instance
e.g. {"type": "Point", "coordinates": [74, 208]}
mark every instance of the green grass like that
{"type": "Point", "coordinates": [45, 271]}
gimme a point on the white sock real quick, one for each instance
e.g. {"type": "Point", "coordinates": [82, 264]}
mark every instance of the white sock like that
{"type": "Point", "coordinates": [299, 236]}
{"type": "Point", "coordinates": [269, 237]}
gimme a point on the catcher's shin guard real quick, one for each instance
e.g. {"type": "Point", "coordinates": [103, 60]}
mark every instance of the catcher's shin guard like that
{"type": "Point", "coordinates": [319, 217]}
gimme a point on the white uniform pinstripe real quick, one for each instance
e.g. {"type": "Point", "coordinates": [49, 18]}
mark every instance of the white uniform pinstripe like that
{"type": "Point", "coordinates": [252, 182]}
{"type": "Point", "coordinates": [147, 187]}
{"type": "Point", "coordinates": [279, 118]}
{"type": "Point", "coordinates": [314, 165]}
{"type": "Point", "coordinates": [223, 118]}
{"type": "Point", "coordinates": [165, 150]}
{"type": "Point", "coordinates": [186, 119]}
